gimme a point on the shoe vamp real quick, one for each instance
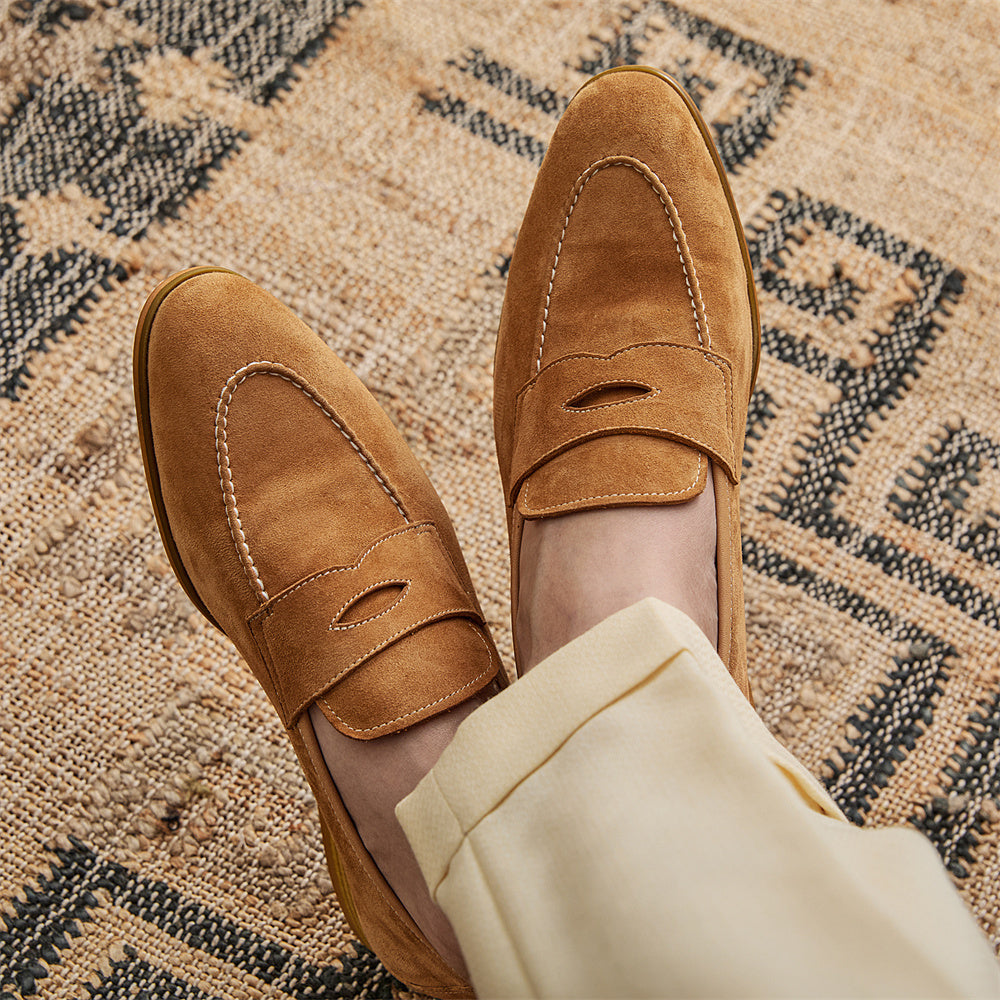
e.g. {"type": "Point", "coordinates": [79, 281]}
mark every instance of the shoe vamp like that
{"type": "Point", "coordinates": [305, 496]}
{"type": "Point", "coordinates": [618, 277]}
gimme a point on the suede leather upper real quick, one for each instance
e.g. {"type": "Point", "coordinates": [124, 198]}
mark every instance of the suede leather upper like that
{"type": "Point", "coordinates": [275, 467]}
{"type": "Point", "coordinates": [628, 340]}
{"type": "Point", "coordinates": [299, 521]}
{"type": "Point", "coordinates": [550, 424]}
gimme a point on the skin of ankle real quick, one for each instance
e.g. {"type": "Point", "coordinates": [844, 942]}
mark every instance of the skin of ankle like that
{"type": "Point", "coordinates": [372, 777]}
{"type": "Point", "coordinates": [577, 569]}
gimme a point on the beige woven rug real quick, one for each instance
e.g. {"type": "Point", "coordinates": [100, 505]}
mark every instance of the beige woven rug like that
{"type": "Point", "coordinates": [368, 162]}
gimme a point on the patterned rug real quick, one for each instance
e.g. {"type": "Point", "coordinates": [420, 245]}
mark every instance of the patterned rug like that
{"type": "Point", "coordinates": [368, 162]}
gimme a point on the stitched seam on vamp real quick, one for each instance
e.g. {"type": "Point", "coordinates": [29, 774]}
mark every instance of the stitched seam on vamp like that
{"type": "Point", "coordinates": [333, 627]}
{"type": "Point", "coordinates": [581, 182]}
{"type": "Point", "coordinates": [242, 548]}
{"type": "Point", "coordinates": [431, 704]}
{"type": "Point", "coordinates": [378, 647]}
{"type": "Point", "coordinates": [730, 415]}
{"type": "Point", "coordinates": [696, 298]}
{"type": "Point", "coordinates": [587, 436]}
{"type": "Point", "coordinates": [610, 496]}
{"type": "Point", "coordinates": [423, 530]}
{"type": "Point", "coordinates": [385, 643]}
{"type": "Point", "coordinates": [222, 410]}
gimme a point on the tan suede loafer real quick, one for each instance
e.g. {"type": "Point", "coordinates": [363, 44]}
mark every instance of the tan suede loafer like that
{"type": "Point", "coordinates": [299, 523]}
{"type": "Point", "coordinates": [629, 339]}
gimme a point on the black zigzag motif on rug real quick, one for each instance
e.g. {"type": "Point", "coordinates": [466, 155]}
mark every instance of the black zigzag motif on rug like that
{"type": "Point", "coordinates": [933, 494]}
{"type": "Point", "coordinates": [896, 714]}
{"type": "Point", "coordinates": [55, 909]}
{"type": "Point", "coordinates": [759, 416]}
{"type": "Point", "coordinates": [739, 139]}
{"type": "Point", "coordinates": [259, 43]}
{"type": "Point", "coordinates": [955, 822]}
{"type": "Point", "coordinates": [937, 494]}
{"type": "Point", "coordinates": [66, 135]}
{"type": "Point", "coordinates": [133, 977]}
{"type": "Point", "coordinates": [864, 391]}
{"type": "Point", "coordinates": [481, 123]}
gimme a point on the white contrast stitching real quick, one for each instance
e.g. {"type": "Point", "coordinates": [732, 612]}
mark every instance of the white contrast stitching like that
{"type": "Point", "coordinates": [222, 449]}
{"type": "Point", "coordinates": [418, 529]}
{"type": "Point", "coordinates": [669, 207]}
{"type": "Point", "coordinates": [390, 639]}
{"type": "Point", "coordinates": [229, 494]}
{"type": "Point", "coordinates": [416, 711]}
{"type": "Point", "coordinates": [730, 415]}
{"type": "Point", "coordinates": [720, 363]}
{"type": "Point", "coordinates": [588, 435]}
{"type": "Point", "coordinates": [608, 496]}
{"type": "Point", "coordinates": [533, 382]}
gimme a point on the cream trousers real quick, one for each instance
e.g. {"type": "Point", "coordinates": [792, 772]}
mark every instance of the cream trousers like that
{"type": "Point", "coordinates": [620, 823]}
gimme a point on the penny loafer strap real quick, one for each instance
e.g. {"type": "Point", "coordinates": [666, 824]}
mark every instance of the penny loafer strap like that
{"type": "Point", "coordinates": [664, 390]}
{"type": "Point", "coordinates": [317, 633]}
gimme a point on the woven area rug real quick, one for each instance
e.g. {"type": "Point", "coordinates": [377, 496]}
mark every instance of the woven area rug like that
{"type": "Point", "coordinates": [368, 162]}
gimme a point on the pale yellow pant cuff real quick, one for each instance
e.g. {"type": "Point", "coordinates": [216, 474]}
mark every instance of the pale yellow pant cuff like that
{"type": "Point", "coordinates": [619, 822]}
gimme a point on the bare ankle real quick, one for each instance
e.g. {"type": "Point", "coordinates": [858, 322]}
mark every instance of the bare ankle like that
{"type": "Point", "coordinates": [372, 777]}
{"type": "Point", "coordinates": [578, 569]}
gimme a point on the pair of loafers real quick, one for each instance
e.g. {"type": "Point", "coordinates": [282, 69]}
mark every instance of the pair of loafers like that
{"type": "Point", "coordinates": [299, 523]}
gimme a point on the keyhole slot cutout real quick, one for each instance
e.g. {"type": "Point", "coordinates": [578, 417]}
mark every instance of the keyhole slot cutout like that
{"type": "Point", "coordinates": [370, 604]}
{"type": "Point", "coordinates": [610, 394]}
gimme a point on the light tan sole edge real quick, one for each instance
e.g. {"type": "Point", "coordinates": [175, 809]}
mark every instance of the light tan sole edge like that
{"type": "Point", "coordinates": [140, 385]}
{"type": "Point", "coordinates": [339, 880]}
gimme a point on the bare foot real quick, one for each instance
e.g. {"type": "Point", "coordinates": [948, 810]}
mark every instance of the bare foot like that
{"type": "Point", "coordinates": [372, 776]}
{"type": "Point", "coordinates": [579, 568]}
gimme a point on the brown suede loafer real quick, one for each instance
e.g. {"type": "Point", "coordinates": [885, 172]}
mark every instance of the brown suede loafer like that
{"type": "Point", "coordinates": [300, 524]}
{"type": "Point", "coordinates": [629, 339]}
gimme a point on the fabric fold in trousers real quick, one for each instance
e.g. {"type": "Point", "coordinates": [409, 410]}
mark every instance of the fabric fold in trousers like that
{"type": "Point", "coordinates": [619, 822]}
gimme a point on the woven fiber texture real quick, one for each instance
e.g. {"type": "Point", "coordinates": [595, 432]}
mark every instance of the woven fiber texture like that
{"type": "Point", "coordinates": [368, 163]}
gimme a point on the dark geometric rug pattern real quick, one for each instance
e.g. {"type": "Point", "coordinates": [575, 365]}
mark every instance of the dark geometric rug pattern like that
{"type": "Point", "coordinates": [89, 134]}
